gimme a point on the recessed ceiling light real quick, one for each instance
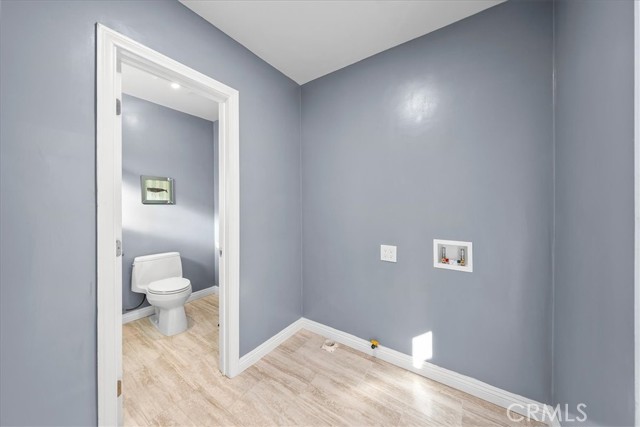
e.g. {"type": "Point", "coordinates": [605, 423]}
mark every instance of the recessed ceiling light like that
{"type": "Point", "coordinates": [175, 86]}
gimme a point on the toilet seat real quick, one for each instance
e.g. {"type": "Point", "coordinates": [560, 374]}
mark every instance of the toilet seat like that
{"type": "Point", "coordinates": [172, 285]}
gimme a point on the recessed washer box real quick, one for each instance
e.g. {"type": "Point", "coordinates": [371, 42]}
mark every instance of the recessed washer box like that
{"type": "Point", "coordinates": [453, 255]}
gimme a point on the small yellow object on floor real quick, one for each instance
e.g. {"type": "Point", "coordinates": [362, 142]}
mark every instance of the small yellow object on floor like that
{"type": "Point", "coordinates": [175, 381]}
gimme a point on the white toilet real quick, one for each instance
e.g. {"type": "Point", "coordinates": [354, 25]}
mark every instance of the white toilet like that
{"type": "Point", "coordinates": [160, 277]}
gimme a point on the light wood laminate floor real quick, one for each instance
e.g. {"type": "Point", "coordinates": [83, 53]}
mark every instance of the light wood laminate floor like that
{"type": "Point", "coordinates": [176, 381]}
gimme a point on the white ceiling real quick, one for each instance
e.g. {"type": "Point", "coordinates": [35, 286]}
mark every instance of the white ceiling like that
{"type": "Point", "coordinates": [306, 39]}
{"type": "Point", "coordinates": [159, 91]}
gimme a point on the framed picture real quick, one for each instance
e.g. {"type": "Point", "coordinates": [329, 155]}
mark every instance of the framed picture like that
{"type": "Point", "coordinates": [157, 190]}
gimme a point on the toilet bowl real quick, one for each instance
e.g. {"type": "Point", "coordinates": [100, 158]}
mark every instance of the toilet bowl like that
{"type": "Point", "coordinates": [159, 276]}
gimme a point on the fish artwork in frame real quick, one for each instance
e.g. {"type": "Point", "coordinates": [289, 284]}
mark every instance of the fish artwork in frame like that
{"type": "Point", "coordinates": [157, 190]}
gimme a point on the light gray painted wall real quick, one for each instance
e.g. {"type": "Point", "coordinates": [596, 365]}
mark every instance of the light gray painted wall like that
{"type": "Point", "coordinates": [160, 141]}
{"type": "Point", "coordinates": [593, 326]}
{"type": "Point", "coordinates": [448, 136]}
{"type": "Point", "coordinates": [492, 69]}
{"type": "Point", "coordinates": [48, 201]}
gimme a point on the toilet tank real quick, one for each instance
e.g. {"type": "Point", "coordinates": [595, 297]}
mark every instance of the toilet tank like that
{"type": "Point", "coordinates": [149, 268]}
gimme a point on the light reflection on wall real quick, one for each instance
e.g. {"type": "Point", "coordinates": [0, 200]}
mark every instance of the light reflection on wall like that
{"type": "Point", "coordinates": [140, 218]}
{"type": "Point", "coordinates": [422, 349]}
{"type": "Point", "coordinates": [131, 119]}
{"type": "Point", "coordinates": [418, 103]}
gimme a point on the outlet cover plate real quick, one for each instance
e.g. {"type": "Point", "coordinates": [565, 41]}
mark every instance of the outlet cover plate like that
{"type": "Point", "coordinates": [388, 253]}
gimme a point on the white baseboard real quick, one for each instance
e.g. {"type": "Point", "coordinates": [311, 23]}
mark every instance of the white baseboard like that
{"type": "Point", "coordinates": [495, 395]}
{"type": "Point", "coordinates": [137, 314]}
{"type": "Point", "coordinates": [148, 311]}
{"type": "Point", "coordinates": [268, 346]}
{"type": "Point", "coordinates": [555, 422]}
{"type": "Point", "coordinates": [484, 391]}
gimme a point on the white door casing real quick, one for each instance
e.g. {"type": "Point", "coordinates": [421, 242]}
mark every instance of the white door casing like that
{"type": "Point", "coordinates": [112, 50]}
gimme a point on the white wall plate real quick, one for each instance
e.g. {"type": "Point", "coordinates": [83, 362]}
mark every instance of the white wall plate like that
{"type": "Point", "coordinates": [388, 253]}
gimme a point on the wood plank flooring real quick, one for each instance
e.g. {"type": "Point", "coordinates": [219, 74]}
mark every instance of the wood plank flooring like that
{"type": "Point", "coordinates": [175, 381]}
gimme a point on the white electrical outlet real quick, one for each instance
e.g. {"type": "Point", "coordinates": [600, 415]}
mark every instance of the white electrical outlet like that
{"type": "Point", "coordinates": [388, 253]}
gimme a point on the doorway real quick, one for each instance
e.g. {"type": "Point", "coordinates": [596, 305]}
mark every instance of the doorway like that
{"type": "Point", "coordinates": [115, 51]}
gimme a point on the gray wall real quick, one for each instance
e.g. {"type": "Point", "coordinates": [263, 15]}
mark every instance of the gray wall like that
{"type": "Point", "coordinates": [380, 138]}
{"type": "Point", "coordinates": [160, 141]}
{"type": "Point", "coordinates": [593, 315]}
{"type": "Point", "coordinates": [48, 199]}
{"type": "Point", "coordinates": [448, 136]}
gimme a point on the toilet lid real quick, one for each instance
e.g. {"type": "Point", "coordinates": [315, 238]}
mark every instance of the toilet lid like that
{"type": "Point", "coordinates": [171, 285]}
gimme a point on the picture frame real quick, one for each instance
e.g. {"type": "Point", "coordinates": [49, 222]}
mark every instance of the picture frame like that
{"type": "Point", "coordinates": [157, 190]}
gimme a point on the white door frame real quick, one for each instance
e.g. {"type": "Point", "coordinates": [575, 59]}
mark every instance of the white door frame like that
{"type": "Point", "coordinates": [113, 49]}
{"type": "Point", "coordinates": [636, 115]}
